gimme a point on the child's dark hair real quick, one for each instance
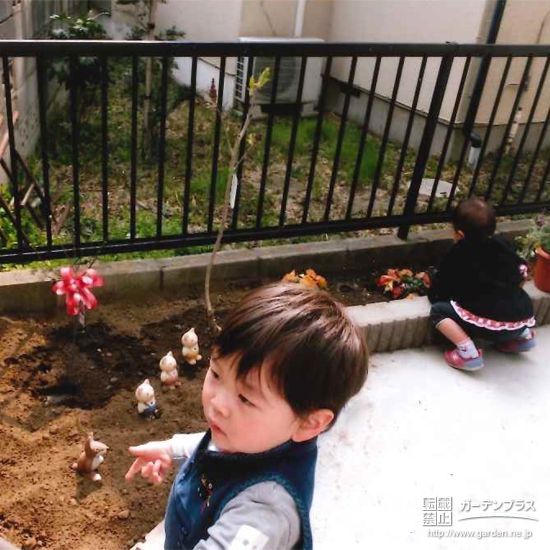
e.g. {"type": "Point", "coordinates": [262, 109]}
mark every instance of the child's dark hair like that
{"type": "Point", "coordinates": [317, 356]}
{"type": "Point", "coordinates": [475, 218]}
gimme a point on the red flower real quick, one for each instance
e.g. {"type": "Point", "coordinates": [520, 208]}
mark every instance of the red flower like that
{"type": "Point", "coordinates": [76, 288]}
{"type": "Point", "coordinates": [385, 280]}
{"type": "Point", "coordinates": [397, 292]}
{"type": "Point", "coordinates": [389, 279]}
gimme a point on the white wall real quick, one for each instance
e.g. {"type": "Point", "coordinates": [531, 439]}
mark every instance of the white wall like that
{"type": "Point", "coordinates": [524, 22]}
{"type": "Point", "coordinates": [416, 21]}
{"type": "Point", "coordinates": [206, 71]}
{"type": "Point", "coordinates": [406, 20]}
{"type": "Point", "coordinates": [22, 23]}
{"type": "Point", "coordinates": [215, 20]}
{"type": "Point", "coordinates": [204, 20]}
{"type": "Point", "coordinates": [276, 18]}
{"type": "Point", "coordinates": [272, 18]}
{"type": "Point", "coordinates": [201, 20]}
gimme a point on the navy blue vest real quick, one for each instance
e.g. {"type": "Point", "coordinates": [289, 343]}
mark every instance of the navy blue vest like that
{"type": "Point", "coordinates": [209, 480]}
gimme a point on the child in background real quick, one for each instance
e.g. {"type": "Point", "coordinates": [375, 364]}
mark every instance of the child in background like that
{"type": "Point", "coordinates": [477, 291]}
{"type": "Point", "coordinates": [287, 361]}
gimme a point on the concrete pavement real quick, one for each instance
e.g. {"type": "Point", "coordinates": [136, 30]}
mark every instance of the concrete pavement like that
{"type": "Point", "coordinates": [420, 430]}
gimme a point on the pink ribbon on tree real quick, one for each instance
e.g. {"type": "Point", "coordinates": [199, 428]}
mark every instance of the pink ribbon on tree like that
{"type": "Point", "coordinates": [77, 289]}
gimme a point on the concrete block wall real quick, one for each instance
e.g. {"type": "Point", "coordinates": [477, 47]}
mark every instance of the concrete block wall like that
{"type": "Point", "coordinates": [388, 325]}
{"type": "Point", "coordinates": [406, 323]}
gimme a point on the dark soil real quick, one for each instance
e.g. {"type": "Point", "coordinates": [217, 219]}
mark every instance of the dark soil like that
{"type": "Point", "coordinates": [58, 383]}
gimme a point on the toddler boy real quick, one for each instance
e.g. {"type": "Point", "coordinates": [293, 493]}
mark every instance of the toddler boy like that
{"type": "Point", "coordinates": [286, 362]}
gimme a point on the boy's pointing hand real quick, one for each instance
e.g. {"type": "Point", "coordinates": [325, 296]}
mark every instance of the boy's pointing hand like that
{"type": "Point", "coordinates": [154, 460]}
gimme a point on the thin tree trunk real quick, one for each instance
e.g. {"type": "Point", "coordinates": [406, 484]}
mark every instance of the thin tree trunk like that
{"type": "Point", "coordinates": [233, 164]}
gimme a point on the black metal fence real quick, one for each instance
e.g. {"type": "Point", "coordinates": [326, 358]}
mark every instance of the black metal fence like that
{"type": "Point", "coordinates": [367, 158]}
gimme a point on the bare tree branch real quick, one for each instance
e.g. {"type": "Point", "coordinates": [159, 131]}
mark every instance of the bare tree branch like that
{"type": "Point", "coordinates": [234, 163]}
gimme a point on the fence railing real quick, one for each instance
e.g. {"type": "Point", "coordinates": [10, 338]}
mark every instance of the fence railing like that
{"type": "Point", "coordinates": [384, 146]}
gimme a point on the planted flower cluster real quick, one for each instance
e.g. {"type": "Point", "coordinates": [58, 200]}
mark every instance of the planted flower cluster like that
{"type": "Point", "coordinates": [403, 283]}
{"type": "Point", "coordinates": [538, 237]}
{"type": "Point", "coordinates": [309, 279]}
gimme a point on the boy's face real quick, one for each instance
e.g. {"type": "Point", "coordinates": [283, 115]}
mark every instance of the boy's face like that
{"type": "Point", "coordinates": [248, 415]}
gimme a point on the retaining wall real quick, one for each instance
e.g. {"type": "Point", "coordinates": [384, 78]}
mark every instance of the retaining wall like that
{"type": "Point", "coordinates": [388, 326]}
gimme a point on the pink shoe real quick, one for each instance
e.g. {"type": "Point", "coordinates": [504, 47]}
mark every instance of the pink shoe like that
{"type": "Point", "coordinates": [519, 344]}
{"type": "Point", "coordinates": [455, 360]}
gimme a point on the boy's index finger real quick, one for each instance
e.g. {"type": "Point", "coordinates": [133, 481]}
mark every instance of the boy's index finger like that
{"type": "Point", "coordinates": [136, 450]}
{"type": "Point", "coordinates": [143, 451]}
{"type": "Point", "coordinates": [151, 450]}
{"type": "Point", "coordinates": [134, 468]}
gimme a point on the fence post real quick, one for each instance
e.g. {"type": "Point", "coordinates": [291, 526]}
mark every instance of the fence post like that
{"type": "Point", "coordinates": [427, 138]}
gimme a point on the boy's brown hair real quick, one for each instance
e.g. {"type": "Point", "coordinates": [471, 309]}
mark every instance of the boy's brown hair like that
{"type": "Point", "coordinates": [317, 356]}
{"type": "Point", "coordinates": [475, 218]}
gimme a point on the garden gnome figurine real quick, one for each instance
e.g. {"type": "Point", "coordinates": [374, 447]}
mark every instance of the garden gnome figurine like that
{"type": "Point", "coordinates": [169, 367]}
{"type": "Point", "coordinates": [147, 404]}
{"type": "Point", "coordinates": [190, 350]}
{"type": "Point", "coordinates": [91, 457]}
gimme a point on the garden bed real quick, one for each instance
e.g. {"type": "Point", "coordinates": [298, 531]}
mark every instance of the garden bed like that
{"type": "Point", "coordinates": [56, 385]}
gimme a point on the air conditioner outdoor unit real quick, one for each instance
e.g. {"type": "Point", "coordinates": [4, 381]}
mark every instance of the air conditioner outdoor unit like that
{"type": "Point", "coordinates": [289, 75]}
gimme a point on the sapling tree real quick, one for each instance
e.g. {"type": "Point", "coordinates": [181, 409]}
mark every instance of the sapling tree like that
{"type": "Point", "coordinates": [231, 184]}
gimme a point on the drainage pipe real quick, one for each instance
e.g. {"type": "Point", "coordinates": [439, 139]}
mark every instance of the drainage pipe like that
{"type": "Point", "coordinates": [477, 92]}
{"type": "Point", "coordinates": [519, 111]}
{"type": "Point", "coordinates": [299, 20]}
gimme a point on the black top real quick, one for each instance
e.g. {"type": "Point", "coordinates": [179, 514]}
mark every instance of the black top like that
{"type": "Point", "coordinates": [483, 276]}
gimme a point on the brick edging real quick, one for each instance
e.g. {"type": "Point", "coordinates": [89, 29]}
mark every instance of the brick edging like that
{"type": "Point", "coordinates": [401, 324]}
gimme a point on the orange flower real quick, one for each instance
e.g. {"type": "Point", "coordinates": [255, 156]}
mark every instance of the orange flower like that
{"type": "Point", "coordinates": [308, 281]}
{"type": "Point", "coordinates": [321, 282]}
{"type": "Point", "coordinates": [425, 278]}
{"type": "Point", "coordinates": [392, 276]}
{"type": "Point", "coordinates": [291, 277]}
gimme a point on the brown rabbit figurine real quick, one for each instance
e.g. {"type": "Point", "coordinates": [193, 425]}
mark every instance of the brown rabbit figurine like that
{"type": "Point", "coordinates": [91, 457]}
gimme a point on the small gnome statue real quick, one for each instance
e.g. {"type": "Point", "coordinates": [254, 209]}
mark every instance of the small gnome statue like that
{"type": "Point", "coordinates": [91, 457]}
{"type": "Point", "coordinates": [190, 350]}
{"type": "Point", "coordinates": [169, 371]}
{"type": "Point", "coordinates": [147, 404]}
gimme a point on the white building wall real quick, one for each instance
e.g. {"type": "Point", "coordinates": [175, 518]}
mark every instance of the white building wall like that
{"type": "Point", "coordinates": [215, 20]}
{"type": "Point", "coordinates": [207, 69]}
{"type": "Point", "coordinates": [204, 20]}
{"type": "Point", "coordinates": [24, 22]}
{"type": "Point", "coordinates": [390, 21]}
{"type": "Point", "coordinates": [524, 22]}
{"type": "Point", "coordinates": [201, 20]}
{"type": "Point", "coordinates": [276, 18]}
{"type": "Point", "coordinates": [411, 21]}
{"type": "Point", "coordinates": [269, 18]}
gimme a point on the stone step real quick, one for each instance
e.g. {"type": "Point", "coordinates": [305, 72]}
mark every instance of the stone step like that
{"type": "Point", "coordinates": [402, 324]}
